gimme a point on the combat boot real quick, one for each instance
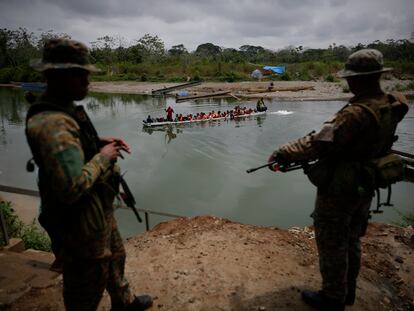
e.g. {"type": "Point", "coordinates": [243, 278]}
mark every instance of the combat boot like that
{"type": "Point", "coordinates": [320, 302]}
{"type": "Point", "coordinates": [140, 303]}
{"type": "Point", "coordinates": [350, 296]}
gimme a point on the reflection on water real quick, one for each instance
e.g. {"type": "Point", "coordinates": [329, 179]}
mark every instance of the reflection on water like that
{"type": "Point", "coordinates": [171, 131]}
{"type": "Point", "coordinates": [199, 168]}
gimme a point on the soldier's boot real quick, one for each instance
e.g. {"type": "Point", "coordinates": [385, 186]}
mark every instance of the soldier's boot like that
{"type": "Point", "coordinates": [320, 302]}
{"type": "Point", "coordinates": [350, 296]}
{"type": "Point", "coordinates": [140, 303]}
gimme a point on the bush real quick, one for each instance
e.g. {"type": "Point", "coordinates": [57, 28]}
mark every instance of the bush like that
{"type": "Point", "coordinates": [285, 76]}
{"type": "Point", "coordinates": [35, 238]}
{"type": "Point", "coordinates": [330, 78]}
{"type": "Point", "coordinates": [32, 236]}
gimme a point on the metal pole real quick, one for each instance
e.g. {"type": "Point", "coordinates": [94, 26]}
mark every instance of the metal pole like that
{"type": "Point", "coordinates": [4, 228]}
{"type": "Point", "coordinates": [147, 221]}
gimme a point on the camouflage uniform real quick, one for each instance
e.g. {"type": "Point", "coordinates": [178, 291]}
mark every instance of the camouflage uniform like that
{"type": "Point", "coordinates": [77, 186]}
{"type": "Point", "coordinates": [362, 130]}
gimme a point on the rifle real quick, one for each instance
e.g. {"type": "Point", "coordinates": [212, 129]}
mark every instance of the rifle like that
{"type": "Point", "coordinates": [407, 158]}
{"type": "Point", "coordinates": [84, 121]}
{"type": "Point", "coordinates": [277, 167]}
{"type": "Point", "coordinates": [128, 198]}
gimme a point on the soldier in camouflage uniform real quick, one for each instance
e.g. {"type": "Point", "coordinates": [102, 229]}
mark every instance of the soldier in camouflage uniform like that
{"type": "Point", "coordinates": [361, 131]}
{"type": "Point", "coordinates": [78, 181]}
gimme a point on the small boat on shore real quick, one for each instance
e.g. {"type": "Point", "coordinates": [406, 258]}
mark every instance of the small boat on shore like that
{"type": "Point", "coordinates": [227, 118]}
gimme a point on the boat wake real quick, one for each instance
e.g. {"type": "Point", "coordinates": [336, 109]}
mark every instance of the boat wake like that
{"type": "Point", "coordinates": [281, 112]}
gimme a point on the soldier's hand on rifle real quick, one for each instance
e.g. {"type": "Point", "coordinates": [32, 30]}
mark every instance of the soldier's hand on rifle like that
{"type": "Point", "coordinates": [112, 151]}
{"type": "Point", "coordinates": [278, 158]}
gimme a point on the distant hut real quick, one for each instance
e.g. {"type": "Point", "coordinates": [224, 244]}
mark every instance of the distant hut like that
{"type": "Point", "coordinates": [256, 74]}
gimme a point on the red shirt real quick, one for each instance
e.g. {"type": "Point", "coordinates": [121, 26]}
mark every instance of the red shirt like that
{"type": "Point", "coordinates": [169, 111]}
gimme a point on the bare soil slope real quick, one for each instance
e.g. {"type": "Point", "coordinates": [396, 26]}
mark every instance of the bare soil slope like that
{"type": "Point", "coordinates": [208, 263]}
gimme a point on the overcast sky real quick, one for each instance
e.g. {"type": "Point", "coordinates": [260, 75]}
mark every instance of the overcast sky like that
{"type": "Point", "coordinates": [273, 24]}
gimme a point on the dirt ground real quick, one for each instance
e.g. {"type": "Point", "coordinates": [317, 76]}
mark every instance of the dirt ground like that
{"type": "Point", "coordinates": [316, 90]}
{"type": "Point", "coordinates": [209, 263]}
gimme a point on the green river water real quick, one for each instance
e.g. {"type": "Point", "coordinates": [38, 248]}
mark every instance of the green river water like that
{"type": "Point", "coordinates": [199, 169]}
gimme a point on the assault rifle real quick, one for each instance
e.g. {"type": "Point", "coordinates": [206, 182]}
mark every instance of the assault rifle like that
{"type": "Point", "coordinates": [85, 122]}
{"type": "Point", "coordinates": [277, 167]}
{"type": "Point", "coordinates": [407, 158]}
{"type": "Point", "coordinates": [128, 197]}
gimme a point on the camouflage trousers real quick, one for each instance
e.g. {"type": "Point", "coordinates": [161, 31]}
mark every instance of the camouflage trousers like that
{"type": "Point", "coordinates": [85, 279]}
{"type": "Point", "coordinates": [339, 223]}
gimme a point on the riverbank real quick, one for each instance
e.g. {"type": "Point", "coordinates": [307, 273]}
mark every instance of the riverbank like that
{"type": "Point", "coordinates": [209, 263]}
{"type": "Point", "coordinates": [299, 90]}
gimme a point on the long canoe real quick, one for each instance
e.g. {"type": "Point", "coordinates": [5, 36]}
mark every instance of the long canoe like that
{"type": "Point", "coordinates": [157, 124]}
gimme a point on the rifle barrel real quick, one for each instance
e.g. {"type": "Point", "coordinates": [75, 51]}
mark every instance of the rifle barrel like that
{"type": "Point", "coordinates": [251, 170]}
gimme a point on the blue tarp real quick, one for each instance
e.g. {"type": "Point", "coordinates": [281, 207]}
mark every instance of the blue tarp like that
{"type": "Point", "coordinates": [276, 69]}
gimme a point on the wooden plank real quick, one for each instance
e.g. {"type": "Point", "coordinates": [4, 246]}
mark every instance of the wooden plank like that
{"type": "Point", "coordinates": [282, 89]}
{"type": "Point", "coordinates": [8, 85]}
{"type": "Point", "coordinates": [184, 98]}
{"type": "Point", "coordinates": [234, 96]}
{"type": "Point", "coordinates": [166, 90]}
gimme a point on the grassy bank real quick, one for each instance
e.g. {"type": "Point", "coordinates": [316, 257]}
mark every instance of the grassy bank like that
{"type": "Point", "coordinates": [204, 70]}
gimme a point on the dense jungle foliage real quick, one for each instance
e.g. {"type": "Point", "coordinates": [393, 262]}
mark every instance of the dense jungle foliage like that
{"type": "Point", "coordinates": [147, 59]}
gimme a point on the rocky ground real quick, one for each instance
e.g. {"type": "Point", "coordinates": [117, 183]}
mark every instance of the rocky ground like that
{"type": "Point", "coordinates": [313, 90]}
{"type": "Point", "coordinates": [208, 263]}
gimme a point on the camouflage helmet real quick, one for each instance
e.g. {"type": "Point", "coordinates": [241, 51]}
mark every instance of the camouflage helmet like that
{"type": "Point", "coordinates": [62, 53]}
{"type": "Point", "coordinates": [363, 62]}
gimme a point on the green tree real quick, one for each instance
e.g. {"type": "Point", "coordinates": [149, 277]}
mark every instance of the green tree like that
{"type": "Point", "coordinates": [177, 50]}
{"type": "Point", "coordinates": [208, 50]}
{"type": "Point", "coordinates": [152, 46]}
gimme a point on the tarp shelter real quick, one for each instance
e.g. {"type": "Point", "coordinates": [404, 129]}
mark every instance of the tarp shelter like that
{"type": "Point", "coordinates": [256, 74]}
{"type": "Point", "coordinates": [276, 69]}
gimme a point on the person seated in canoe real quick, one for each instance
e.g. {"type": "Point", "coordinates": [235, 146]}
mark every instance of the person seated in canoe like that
{"type": "Point", "coordinates": [180, 117]}
{"type": "Point", "coordinates": [260, 106]}
{"type": "Point", "coordinates": [176, 117]}
{"type": "Point", "coordinates": [149, 119]}
{"type": "Point", "coordinates": [169, 112]}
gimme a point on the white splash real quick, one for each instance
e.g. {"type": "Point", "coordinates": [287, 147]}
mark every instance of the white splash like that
{"type": "Point", "coordinates": [282, 112]}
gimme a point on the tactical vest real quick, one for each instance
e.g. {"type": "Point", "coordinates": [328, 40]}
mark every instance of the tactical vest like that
{"type": "Point", "coordinates": [88, 137]}
{"type": "Point", "coordinates": [387, 112]}
{"type": "Point", "coordinates": [351, 171]}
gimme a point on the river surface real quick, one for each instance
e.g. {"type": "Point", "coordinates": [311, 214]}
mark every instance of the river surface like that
{"type": "Point", "coordinates": [200, 169]}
